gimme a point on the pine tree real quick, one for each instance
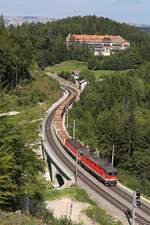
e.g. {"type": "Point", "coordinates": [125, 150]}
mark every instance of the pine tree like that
{"type": "Point", "coordinates": [2, 22]}
{"type": "Point", "coordinates": [20, 168]}
{"type": "Point", "coordinates": [130, 134]}
{"type": "Point", "coordinates": [7, 166]}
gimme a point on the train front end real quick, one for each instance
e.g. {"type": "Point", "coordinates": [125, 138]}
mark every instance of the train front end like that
{"type": "Point", "coordinates": [112, 177]}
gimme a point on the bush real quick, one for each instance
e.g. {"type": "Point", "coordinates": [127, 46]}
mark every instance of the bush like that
{"type": "Point", "coordinates": [99, 215]}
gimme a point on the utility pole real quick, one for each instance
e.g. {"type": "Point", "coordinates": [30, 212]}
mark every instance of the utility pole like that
{"type": "Point", "coordinates": [133, 211]}
{"type": "Point", "coordinates": [93, 220]}
{"type": "Point", "coordinates": [67, 121]}
{"type": "Point", "coordinates": [136, 203]}
{"type": "Point", "coordinates": [74, 129]}
{"type": "Point", "coordinates": [70, 209]}
{"type": "Point", "coordinates": [74, 135]}
{"type": "Point", "coordinates": [113, 154]}
{"type": "Point", "coordinates": [76, 172]}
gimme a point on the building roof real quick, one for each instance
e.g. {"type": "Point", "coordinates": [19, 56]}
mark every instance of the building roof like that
{"type": "Point", "coordinates": [76, 73]}
{"type": "Point", "coordinates": [84, 38]}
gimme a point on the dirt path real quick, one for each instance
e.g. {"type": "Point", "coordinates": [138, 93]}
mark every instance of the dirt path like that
{"type": "Point", "coordinates": [71, 209]}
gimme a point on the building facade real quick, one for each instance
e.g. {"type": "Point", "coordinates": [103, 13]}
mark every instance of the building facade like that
{"type": "Point", "coordinates": [98, 44]}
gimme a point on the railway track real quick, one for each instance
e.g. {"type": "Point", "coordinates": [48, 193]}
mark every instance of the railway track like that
{"type": "Point", "coordinates": [145, 210]}
{"type": "Point", "coordinates": [129, 198]}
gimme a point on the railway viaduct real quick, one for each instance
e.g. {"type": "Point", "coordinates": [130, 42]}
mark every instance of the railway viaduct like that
{"type": "Point", "coordinates": [62, 171]}
{"type": "Point", "coordinates": [58, 174]}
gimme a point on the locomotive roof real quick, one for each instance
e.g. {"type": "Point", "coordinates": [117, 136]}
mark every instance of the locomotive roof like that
{"type": "Point", "coordinates": [81, 148]}
{"type": "Point", "coordinates": [92, 155]}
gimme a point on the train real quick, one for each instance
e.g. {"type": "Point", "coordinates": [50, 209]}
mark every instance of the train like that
{"type": "Point", "coordinates": [89, 160]}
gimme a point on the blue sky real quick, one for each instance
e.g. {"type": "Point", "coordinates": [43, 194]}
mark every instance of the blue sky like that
{"type": "Point", "coordinates": [134, 11]}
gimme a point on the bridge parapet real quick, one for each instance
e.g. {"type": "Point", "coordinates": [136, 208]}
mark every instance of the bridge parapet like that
{"type": "Point", "coordinates": [58, 174]}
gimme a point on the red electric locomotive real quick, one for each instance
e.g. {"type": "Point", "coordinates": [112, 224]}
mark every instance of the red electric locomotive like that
{"type": "Point", "coordinates": [98, 167]}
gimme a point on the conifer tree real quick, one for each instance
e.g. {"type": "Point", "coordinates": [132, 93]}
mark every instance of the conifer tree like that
{"type": "Point", "coordinates": [2, 22]}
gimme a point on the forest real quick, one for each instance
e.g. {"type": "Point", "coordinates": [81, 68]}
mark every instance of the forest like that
{"type": "Point", "coordinates": [114, 111]}
{"type": "Point", "coordinates": [45, 44]}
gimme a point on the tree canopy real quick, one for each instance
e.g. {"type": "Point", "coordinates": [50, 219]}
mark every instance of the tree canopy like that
{"type": "Point", "coordinates": [115, 111]}
{"type": "Point", "coordinates": [20, 167]}
{"type": "Point", "coordinates": [45, 44]}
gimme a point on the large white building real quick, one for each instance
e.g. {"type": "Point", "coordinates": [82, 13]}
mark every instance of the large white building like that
{"type": "Point", "coordinates": [98, 44]}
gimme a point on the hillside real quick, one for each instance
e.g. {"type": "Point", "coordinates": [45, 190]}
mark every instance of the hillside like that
{"type": "Point", "coordinates": [145, 29]}
{"type": "Point", "coordinates": [19, 20]}
{"type": "Point", "coordinates": [109, 114]}
{"type": "Point", "coordinates": [25, 51]}
{"type": "Point", "coordinates": [115, 111]}
{"type": "Point", "coordinates": [45, 44]}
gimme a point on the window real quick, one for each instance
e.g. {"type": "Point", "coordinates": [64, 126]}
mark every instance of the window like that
{"type": "Point", "coordinates": [115, 173]}
{"type": "Point", "coordinates": [112, 174]}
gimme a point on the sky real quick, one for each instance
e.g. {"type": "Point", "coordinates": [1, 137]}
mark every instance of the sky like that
{"type": "Point", "coordinates": [130, 11]}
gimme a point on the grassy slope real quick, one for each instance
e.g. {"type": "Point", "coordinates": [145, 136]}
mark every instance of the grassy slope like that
{"type": "Point", "coordinates": [31, 101]}
{"type": "Point", "coordinates": [10, 218]}
{"type": "Point", "coordinates": [73, 65]}
{"type": "Point", "coordinates": [80, 195]}
{"type": "Point", "coordinates": [26, 100]}
{"type": "Point", "coordinates": [75, 192]}
{"type": "Point", "coordinates": [69, 66]}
